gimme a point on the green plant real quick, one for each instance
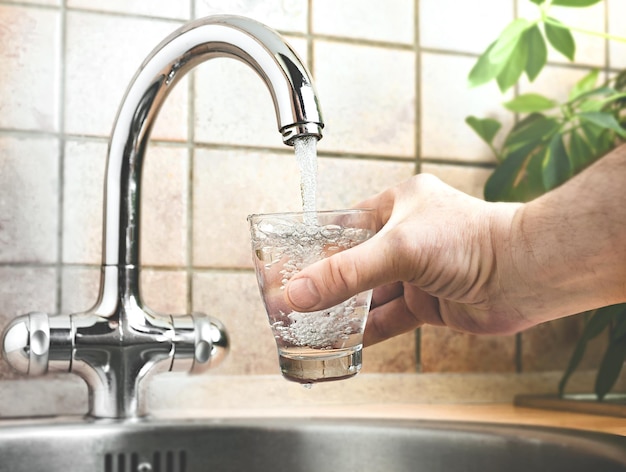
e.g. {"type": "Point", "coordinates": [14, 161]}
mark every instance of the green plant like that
{"type": "Point", "coordinates": [553, 141]}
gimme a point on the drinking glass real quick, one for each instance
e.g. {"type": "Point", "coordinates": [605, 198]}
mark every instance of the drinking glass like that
{"type": "Point", "coordinates": [321, 345]}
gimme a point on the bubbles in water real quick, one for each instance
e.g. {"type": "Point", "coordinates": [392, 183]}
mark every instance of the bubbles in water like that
{"type": "Point", "coordinates": [324, 329]}
{"type": "Point", "coordinates": [296, 245]}
{"type": "Point", "coordinates": [303, 243]}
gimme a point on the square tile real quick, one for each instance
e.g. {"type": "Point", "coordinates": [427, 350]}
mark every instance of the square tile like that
{"type": "Point", "coordinates": [365, 19]}
{"type": "Point", "coordinates": [397, 355]}
{"type": "Point", "coordinates": [157, 8]}
{"type": "Point", "coordinates": [26, 289]}
{"type": "Point", "coordinates": [118, 45]}
{"type": "Point", "coordinates": [30, 57]}
{"type": "Point", "coordinates": [283, 15]}
{"type": "Point", "coordinates": [447, 100]}
{"type": "Point", "coordinates": [463, 26]}
{"type": "Point", "coordinates": [164, 206]}
{"type": "Point", "coordinates": [234, 106]}
{"type": "Point", "coordinates": [228, 185]}
{"type": "Point", "coordinates": [366, 179]}
{"type": "Point", "coordinates": [233, 298]}
{"type": "Point", "coordinates": [165, 291]}
{"type": "Point", "coordinates": [83, 199]}
{"type": "Point", "coordinates": [29, 199]}
{"type": "Point", "coordinates": [444, 350]}
{"type": "Point", "coordinates": [367, 95]}
{"type": "Point", "coordinates": [80, 287]}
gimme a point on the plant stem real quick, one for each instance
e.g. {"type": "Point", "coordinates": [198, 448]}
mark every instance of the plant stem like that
{"type": "Point", "coordinates": [586, 31]}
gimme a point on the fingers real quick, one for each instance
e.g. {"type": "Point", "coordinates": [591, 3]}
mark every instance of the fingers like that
{"type": "Point", "coordinates": [386, 293]}
{"type": "Point", "coordinates": [335, 279]}
{"type": "Point", "coordinates": [396, 317]}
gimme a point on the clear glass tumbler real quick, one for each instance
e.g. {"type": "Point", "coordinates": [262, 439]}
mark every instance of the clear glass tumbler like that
{"type": "Point", "coordinates": [321, 345]}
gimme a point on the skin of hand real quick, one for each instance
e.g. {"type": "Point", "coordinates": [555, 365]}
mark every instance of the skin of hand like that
{"type": "Point", "coordinates": [445, 258]}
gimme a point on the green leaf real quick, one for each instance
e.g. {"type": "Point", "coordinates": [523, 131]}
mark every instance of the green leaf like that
{"type": "Point", "coordinates": [537, 52]}
{"type": "Point", "coordinates": [591, 105]}
{"type": "Point", "coordinates": [592, 93]}
{"type": "Point", "coordinates": [598, 105]}
{"type": "Point", "coordinates": [593, 133]}
{"type": "Point", "coordinates": [610, 367]}
{"type": "Point", "coordinates": [499, 186]}
{"type": "Point", "coordinates": [556, 164]}
{"type": "Point", "coordinates": [586, 84]}
{"type": "Point", "coordinates": [535, 128]}
{"type": "Point", "coordinates": [533, 185]}
{"type": "Point", "coordinates": [507, 41]}
{"type": "Point", "coordinates": [603, 120]}
{"type": "Point", "coordinates": [484, 70]}
{"type": "Point", "coordinates": [574, 3]}
{"type": "Point", "coordinates": [514, 67]}
{"type": "Point", "coordinates": [580, 151]}
{"type": "Point", "coordinates": [600, 139]}
{"type": "Point", "coordinates": [538, 2]}
{"type": "Point", "coordinates": [560, 38]}
{"type": "Point", "coordinates": [518, 177]}
{"type": "Point", "coordinates": [486, 128]}
{"type": "Point", "coordinates": [600, 320]}
{"type": "Point", "coordinates": [530, 103]}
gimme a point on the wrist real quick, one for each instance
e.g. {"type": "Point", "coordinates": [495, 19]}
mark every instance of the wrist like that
{"type": "Point", "coordinates": [565, 259]}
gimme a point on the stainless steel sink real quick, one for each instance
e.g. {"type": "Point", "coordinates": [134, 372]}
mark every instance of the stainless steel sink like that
{"type": "Point", "coordinates": [300, 445]}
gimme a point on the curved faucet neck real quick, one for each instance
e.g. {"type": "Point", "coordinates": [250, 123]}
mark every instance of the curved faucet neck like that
{"type": "Point", "coordinates": [289, 83]}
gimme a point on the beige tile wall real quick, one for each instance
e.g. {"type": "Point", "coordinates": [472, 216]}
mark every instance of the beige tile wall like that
{"type": "Point", "coordinates": [391, 78]}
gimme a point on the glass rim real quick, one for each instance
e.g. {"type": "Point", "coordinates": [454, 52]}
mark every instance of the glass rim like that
{"type": "Point", "coordinates": [291, 214]}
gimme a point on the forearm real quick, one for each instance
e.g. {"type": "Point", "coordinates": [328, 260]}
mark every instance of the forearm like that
{"type": "Point", "coordinates": [569, 246]}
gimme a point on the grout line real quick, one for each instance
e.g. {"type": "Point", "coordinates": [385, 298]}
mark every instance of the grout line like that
{"type": "Point", "coordinates": [190, 144]}
{"type": "Point", "coordinates": [61, 143]}
{"type": "Point", "coordinates": [417, 137]}
{"type": "Point", "coordinates": [204, 145]}
{"type": "Point", "coordinates": [189, 262]}
{"type": "Point", "coordinates": [418, 86]}
{"type": "Point", "coordinates": [331, 154]}
{"type": "Point", "coordinates": [309, 39]}
{"type": "Point", "coordinates": [97, 266]}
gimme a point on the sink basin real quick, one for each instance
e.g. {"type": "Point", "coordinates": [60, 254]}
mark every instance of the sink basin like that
{"type": "Point", "coordinates": [277, 445]}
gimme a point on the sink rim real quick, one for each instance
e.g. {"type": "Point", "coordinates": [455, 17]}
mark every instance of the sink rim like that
{"type": "Point", "coordinates": [129, 437]}
{"type": "Point", "coordinates": [301, 422]}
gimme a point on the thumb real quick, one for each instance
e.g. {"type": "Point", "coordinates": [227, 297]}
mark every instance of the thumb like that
{"type": "Point", "coordinates": [333, 280]}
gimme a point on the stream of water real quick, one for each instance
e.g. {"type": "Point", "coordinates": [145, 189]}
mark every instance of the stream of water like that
{"type": "Point", "coordinates": [306, 156]}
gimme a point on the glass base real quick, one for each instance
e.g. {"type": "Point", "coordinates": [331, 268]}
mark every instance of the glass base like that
{"type": "Point", "coordinates": [323, 367]}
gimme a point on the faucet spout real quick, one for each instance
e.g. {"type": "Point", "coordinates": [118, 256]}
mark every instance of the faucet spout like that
{"type": "Point", "coordinates": [290, 85]}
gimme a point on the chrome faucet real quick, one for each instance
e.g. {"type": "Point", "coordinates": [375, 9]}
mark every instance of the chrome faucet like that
{"type": "Point", "coordinates": [119, 342]}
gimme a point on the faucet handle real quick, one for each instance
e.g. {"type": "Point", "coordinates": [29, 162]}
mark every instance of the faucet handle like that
{"type": "Point", "coordinates": [200, 342]}
{"type": "Point", "coordinates": [27, 339]}
{"type": "Point", "coordinates": [26, 343]}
